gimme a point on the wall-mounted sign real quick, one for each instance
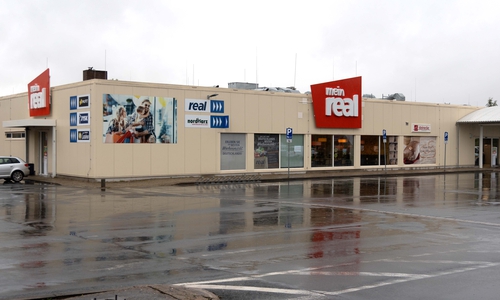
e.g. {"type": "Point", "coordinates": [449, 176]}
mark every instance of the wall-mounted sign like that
{"type": "Point", "coordinates": [219, 121]}
{"type": "Point", "coordinates": [78, 102]}
{"type": "Point", "coordinates": [39, 96]}
{"type": "Point", "coordinates": [338, 104]}
{"type": "Point", "coordinates": [197, 121]}
{"type": "Point", "coordinates": [79, 119]}
{"type": "Point", "coordinates": [216, 106]}
{"type": "Point", "coordinates": [415, 127]}
{"type": "Point", "coordinates": [206, 121]}
{"type": "Point", "coordinates": [197, 105]}
{"type": "Point", "coordinates": [79, 135]}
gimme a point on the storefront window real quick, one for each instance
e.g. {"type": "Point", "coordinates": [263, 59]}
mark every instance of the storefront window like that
{"type": "Point", "coordinates": [374, 151]}
{"type": "Point", "coordinates": [343, 150]}
{"type": "Point", "coordinates": [370, 150]}
{"type": "Point", "coordinates": [321, 150]}
{"type": "Point", "coordinates": [266, 151]}
{"type": "Point", "coordinates": [232, 151]}
{"type": "Point", "coordinates": [292, 154]}
{"type": "Point", "coordinates": [392, 148]}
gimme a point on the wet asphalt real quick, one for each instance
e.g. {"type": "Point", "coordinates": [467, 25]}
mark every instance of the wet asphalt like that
{"type": "Point", "coordinates": [426, 236]}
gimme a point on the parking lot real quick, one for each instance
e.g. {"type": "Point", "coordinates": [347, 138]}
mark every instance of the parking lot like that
{"type": "Point", "coordinates": [379, 237]}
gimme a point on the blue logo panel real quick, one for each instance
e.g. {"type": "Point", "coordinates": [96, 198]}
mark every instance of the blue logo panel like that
{"type": "Point", "coordinates": [73, 119]}
{"type": "Point", "coordinates": [219, 121]}
{"type": "Point", "coordinates": [73, 136]}
{"type": "Point", "coordinates": [73, 102]}
{"type": "Point", "coordinates": [216, 106]}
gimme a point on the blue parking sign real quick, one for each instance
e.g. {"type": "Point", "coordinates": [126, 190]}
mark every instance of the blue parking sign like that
{"type": "Point", "coordinates": [289, 133]}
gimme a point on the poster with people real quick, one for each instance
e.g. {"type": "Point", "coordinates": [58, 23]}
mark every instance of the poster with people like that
{"type": "Point", "coordinates": [139, 119]}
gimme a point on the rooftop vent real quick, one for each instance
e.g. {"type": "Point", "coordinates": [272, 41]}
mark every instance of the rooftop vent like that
{"type": "Point", "coordinates": [90, 73]}
{"type": "Point", "coordinates": [396, 96]}
{"type": "Point", "coordinates": [243, 85]}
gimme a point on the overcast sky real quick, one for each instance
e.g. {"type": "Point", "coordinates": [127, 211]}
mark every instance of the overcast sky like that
{"type": "Point", "coordinates": [444, 51]}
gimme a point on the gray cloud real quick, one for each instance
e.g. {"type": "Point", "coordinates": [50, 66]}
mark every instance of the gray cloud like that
{"type": "Point", "coordinates": [432, 51]}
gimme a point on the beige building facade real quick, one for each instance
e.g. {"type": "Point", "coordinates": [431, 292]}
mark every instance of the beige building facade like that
{"type": "Point", "coordinates": [96, 130]}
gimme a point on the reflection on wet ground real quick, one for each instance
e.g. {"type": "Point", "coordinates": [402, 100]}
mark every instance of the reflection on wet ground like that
{"type": "Point", "coordinates": [95, 238]}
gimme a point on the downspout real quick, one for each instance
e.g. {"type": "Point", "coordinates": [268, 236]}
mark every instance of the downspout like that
{"type": "Point", "coordinates": [54, 147]}
{"type": "Point", "coordinates": [480, 146]}
{"type": "Point", "coordinates": [458, 145]}
{"type": "Point", "coordinates": [27, 144]}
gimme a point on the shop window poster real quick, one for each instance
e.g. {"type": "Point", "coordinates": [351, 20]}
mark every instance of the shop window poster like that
{"type": "Point", "coordinates": [419, 150]}
{"type": "Point", "coordinates": [139, 119]}
{"type": "Point", "coordinates": [266, 151]}
{"type": "Point", "coordinates": [233, 154]}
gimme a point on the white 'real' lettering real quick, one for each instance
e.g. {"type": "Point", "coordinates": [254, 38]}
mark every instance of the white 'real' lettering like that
{"type": "Point", "coordinates": [346, 107]}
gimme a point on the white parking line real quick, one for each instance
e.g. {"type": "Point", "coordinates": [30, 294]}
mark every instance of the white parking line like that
{"type": "Point", "coordinates": [253, 289]}
{"type": "Point", "coordinates": [365, 287]}
{"type": "Point", "coordinates": [402, 277]}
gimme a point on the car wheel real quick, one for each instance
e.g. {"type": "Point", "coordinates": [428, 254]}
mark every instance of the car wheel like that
{"type": "Point", "coordinates": [17, 176]}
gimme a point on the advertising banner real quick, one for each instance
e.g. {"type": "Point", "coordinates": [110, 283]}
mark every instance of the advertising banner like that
{"type": "Point", "coordinates": [338, 104]}
{"type": "Point", "coordinates": [139, 119]}
{"type": "Point", "coordinates": [419, 150]}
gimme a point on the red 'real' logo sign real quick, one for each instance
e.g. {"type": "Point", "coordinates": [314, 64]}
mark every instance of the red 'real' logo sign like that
{"type": "Point", "coordinates": [337, 104]}
{"type": "Point", "coordinates": [39, 96]}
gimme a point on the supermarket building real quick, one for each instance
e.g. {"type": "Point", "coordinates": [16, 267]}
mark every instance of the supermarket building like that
{"type": "Point", "coordinates": [110, 129]}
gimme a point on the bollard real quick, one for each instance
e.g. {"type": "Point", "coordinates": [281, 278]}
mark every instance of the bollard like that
{"type": "Point", "coordinates": [103, 184]}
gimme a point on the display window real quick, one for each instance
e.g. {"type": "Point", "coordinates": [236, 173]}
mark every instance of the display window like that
{"type": "Point", "coordinates": [292, 154]}
{"type": "Point", "coordinates": [375, 152]}
{"type": "Point", "coordinates": [343, 149]}
{"type": "Point", "coordinates": [321, 151]}
{"type": "Point", "coordinates": [266, 151]}
{"type": "Point", "coordinates": [232, 151]}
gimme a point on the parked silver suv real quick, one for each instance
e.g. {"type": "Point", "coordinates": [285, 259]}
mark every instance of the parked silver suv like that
{"type": "Point", "coordinates": [13, 168]}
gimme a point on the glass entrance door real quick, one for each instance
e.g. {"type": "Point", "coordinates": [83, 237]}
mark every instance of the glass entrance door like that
{"type": "Point", "coordinates": [490, 152]}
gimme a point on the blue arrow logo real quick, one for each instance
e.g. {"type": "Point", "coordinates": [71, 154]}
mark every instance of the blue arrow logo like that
{"type": "Point", "coordinates": [219, 121]}
{"type": "Point", "coordinates": [216, 106]}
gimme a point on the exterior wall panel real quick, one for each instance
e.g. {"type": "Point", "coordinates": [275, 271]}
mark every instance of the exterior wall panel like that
{"type": "Point", "coordinates": [197, 150]}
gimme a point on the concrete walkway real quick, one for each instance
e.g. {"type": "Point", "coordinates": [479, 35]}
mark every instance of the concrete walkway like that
{"type": "Point", "coordinates": [243, 178]}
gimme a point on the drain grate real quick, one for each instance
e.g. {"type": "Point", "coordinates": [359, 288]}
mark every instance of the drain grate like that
{"type": "Point", "coordinates": [228, 179]}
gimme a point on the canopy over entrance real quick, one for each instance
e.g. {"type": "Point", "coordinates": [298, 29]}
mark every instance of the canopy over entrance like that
{"type": "Point", "coordinates": [26, 123]}
{"type": "Point", "coordinates": [482, 117]}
